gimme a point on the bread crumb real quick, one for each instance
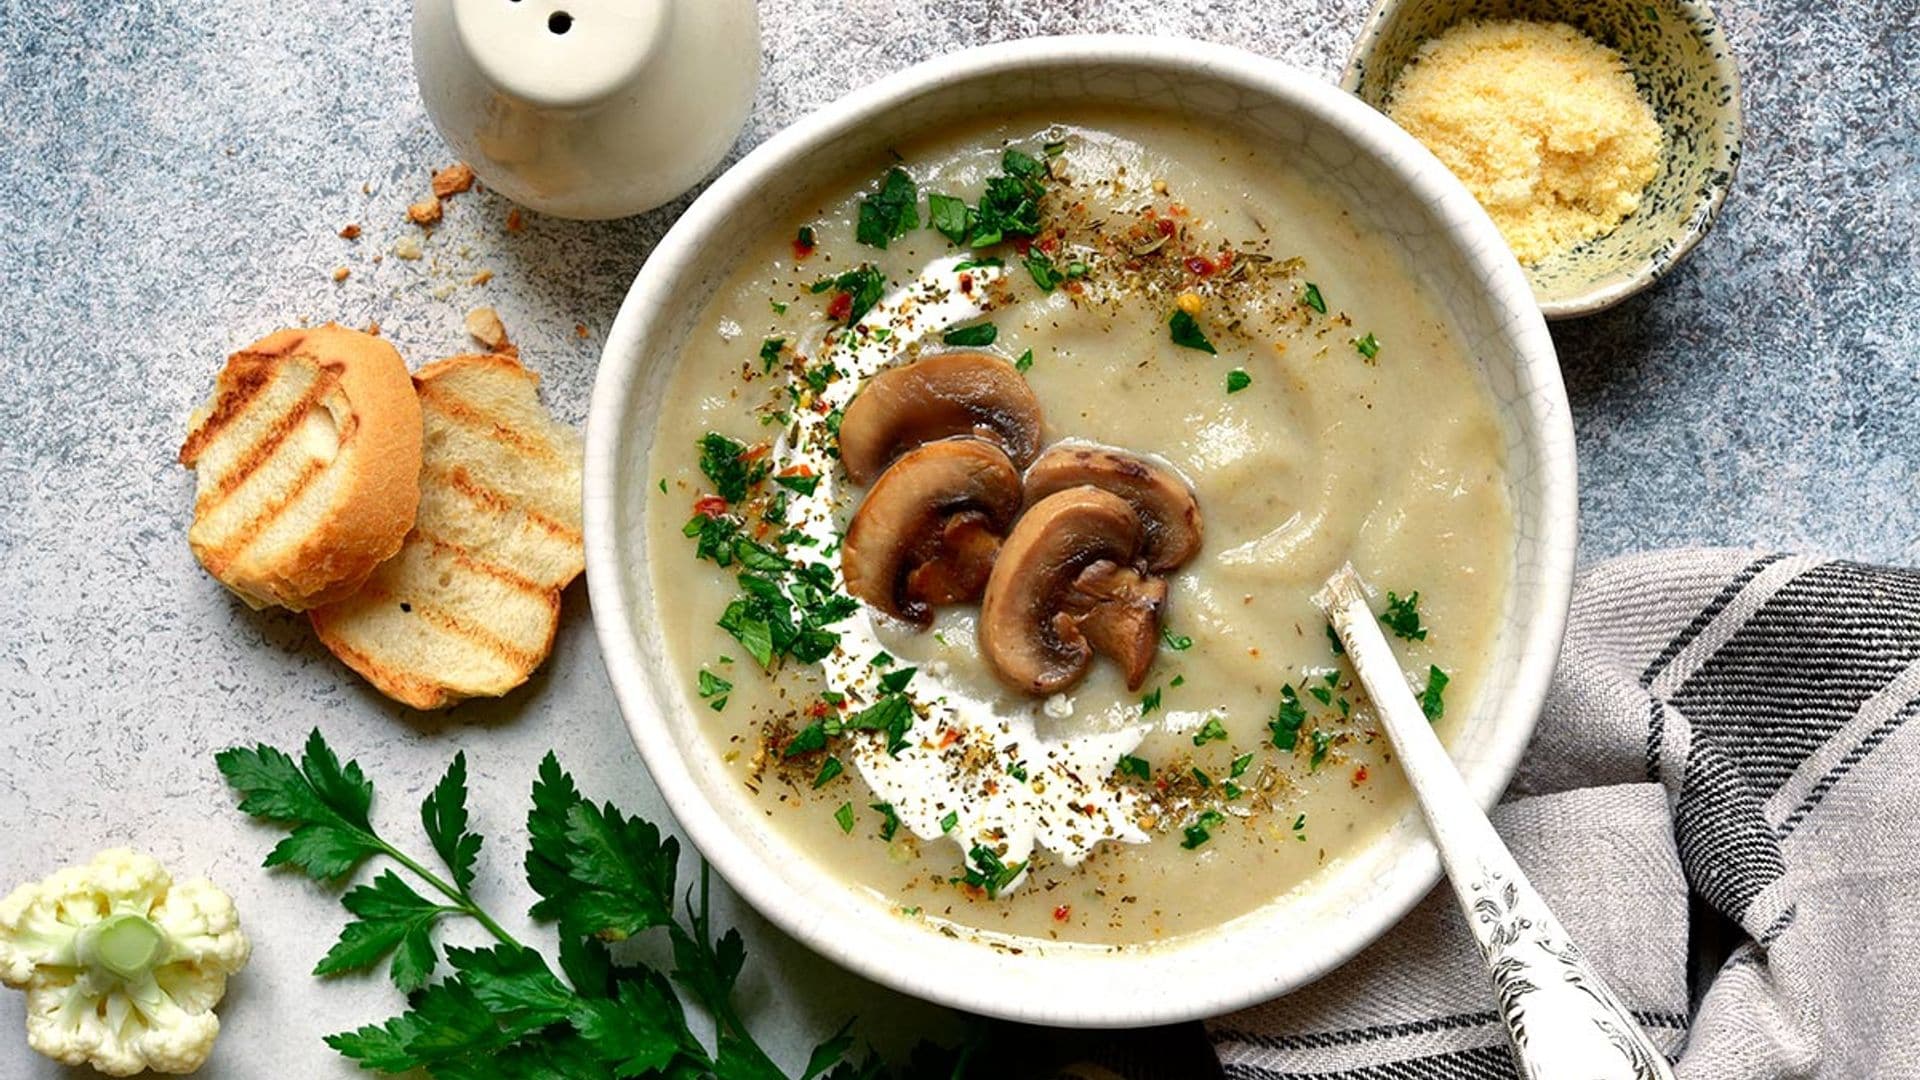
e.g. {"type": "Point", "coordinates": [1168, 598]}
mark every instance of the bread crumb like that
{"type": "Point", "coordinates": [453, 180]}
{"type": "Point", "coordinates": [407, 247]}
{"type": "Point", "coordinates": [340, 273]}
{"type": "Point", "coordinates": [350, 231]}
{"type": "Point", "coordinates": [425, 212]}
{"type": "Point", "coordinates": [484, 325]}
{"type": "Point", "coordinates": [373, 327]}
{"type": "Point", "coordinates": [441, 292]}
{"type": "Point", "coordinates": [580, 330]}
{"type": "Point", "coordinates": [1542, 123]}
{"type": "Point", "coordinates": [481, 278]}
{"type": "Point", "coordinates": [1159, 187]}
{"type": "Point", "coordinates": [514, 221]}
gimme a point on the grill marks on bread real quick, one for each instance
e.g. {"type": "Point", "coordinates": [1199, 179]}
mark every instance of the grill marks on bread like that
{"type": "Point", "coordinates": [294, 506]}
{"type": "Point", "coordinates": [470, 605]}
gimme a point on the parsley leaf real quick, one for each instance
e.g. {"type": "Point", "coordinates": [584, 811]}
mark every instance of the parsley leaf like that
{"type": "Point", "coordinates": [891, 212]}
{"type": "Point", "coordinates": [723, 460]}
{"type": "Point", "coordinates": [889, 821]}
{"type": "Point", "coordinates": [1240, 765]}
{"type": "Point", "coordinates": [1322, 740]}
{"type": "Point", "coordinates": [1025, 362]}
{"type": "Point", "coordinates": [1431, 701]}
{"type": "Point", "coordinates": [1010, 206]}
{"type": "Point", "coordinates": [1212, 731]}
{"type": "Point", "coordinates": [1176, 642]}
{"type": "Point", "coordinates": [975, 336]}
{"type": "Point", "coordinates": [324, 803]}
{"type": "Point", "coordinates": [829, 770]}
{"type": "Point", "coordinates": [1185, 330]}
{"type": "Point", "coordinates": [1287, 719]}
{"type": "Point", "coordinates": [1149, 701]}
{"type": "Point", "coordinates": [985, 870]}
{"type": "Point", "coordinates": [1202, 829]}
{"type": "Point", "coordinates": [1238, 380]}
{"type": "Point", "coordinates": [444, 814]}
{"type": "Point", "coordinates": [391, 918]}
{"type": "Point", "coordinates": [1133, 766]}
{"type": "Point", "coordinates": [1403, 616]}
{"type": "Point", "coordinates": [863, 285]}
{"type": "Point", "coordinates": [844, 817]}
{"type": "Point", "coordinates": [1369, 346]}
{"type": "Point", "coordinates": [950, 216]}
{"type": "Point", "coordinates": [770, 352]}
{"type": "Point", "coordinates": [1313, 300]}
{"type": "Point", "coordinates": [1333, 640]}
{"type": "Point", "coordinates": [1044, 273]}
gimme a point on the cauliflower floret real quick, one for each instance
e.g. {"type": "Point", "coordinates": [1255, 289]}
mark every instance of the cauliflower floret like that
{"type": "Point", "coordinates": [122, 968]}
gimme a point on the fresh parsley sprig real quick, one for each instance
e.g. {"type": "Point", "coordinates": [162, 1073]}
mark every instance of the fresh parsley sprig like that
{"type": "Point", "coordinates": [501, 1011]}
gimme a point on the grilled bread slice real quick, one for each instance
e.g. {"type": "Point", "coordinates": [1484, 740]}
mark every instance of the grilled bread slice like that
{"type": "Point", "coordinates": [308, 466]}
{"type": "Point", "coordinates": [470, 605]}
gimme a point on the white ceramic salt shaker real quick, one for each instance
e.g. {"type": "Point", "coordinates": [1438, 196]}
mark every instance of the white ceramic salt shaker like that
{"type": "Point", "coordinates": [588, 108]}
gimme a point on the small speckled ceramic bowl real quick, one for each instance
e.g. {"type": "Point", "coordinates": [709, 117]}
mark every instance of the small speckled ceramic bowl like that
{"type": "Point", "coordinates": [1683, 66]}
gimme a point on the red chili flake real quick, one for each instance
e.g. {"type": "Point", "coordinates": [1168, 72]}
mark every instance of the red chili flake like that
{"type": "Point", "coordinates": [1200, 266]}
{"type": "Point", "coordinates": [966, 283]}
{"type": "Point", "coordinates": [797, 470]}
{"type": "Point", "coordinates": [1049, 244]}
{"type": "Point", "coordinates": [1063, 913]}
{"type": "Point", "coordinates": [1178, 209]}
{"type": "Point", "coordinates": [819, 709]}
{"type": "Point", "coordinates": [949, 737]}
{"type": "Point", "coordinates": [1359, 776]}
{"type": "Point", "coordinates": [710, 506]}
{"type": "Point", "coordinates": [756, 452]}
{"type": "Point", "coordinates": [1023, 244]}
{"type": "Point", "coordinates": [841, 307]}
{"type": "Point", "coordinates": [1166, 226]}
{"type": "Point", "coordinates": [1225, 258]}
{"type": "Point", "coordinates": [801, 248]}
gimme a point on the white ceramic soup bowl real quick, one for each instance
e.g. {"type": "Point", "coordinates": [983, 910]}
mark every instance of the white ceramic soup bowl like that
{"type": "Point", "coordinates": [1396, 189]}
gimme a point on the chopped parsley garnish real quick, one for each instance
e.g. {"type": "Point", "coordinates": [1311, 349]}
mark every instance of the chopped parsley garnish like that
{"type": "Point", "coordinates": [1321, 694]}
{"type": "Point", "coordinates": [723, 460]}
{"type": "Point", "coordinates": [1300, 828]}
{"type": "Point", "coordinates": [1313, 299]}
{"type": "Point", "coordinates": [1322, 740]}
{"type": "Point", "coordinates": [1202, 828]}
{"type": "Point", "coordinates": [950, 216]}
{"type": "Point", "coordinates": [994, 262]}
{"type": "Point", "coordinates": [778, 307]}
{"type": "Point", "coordinates": [804, 483]}
{"type": "Point", "coordinates": [1017, 770]}
{"type": "Point", "coordinates": [1149, 701]}
{"type": "Point", "coordinates": [889, 821]}
{"type": "Point", "coordinates": [1403, 616]}
{"type": "Point", "coordinates": [1212, 731]}
{"type": "Point", "coordinates": [1431, 701]}
{"type": "Point", "coordinates": [892, 714]}
{"type": "Point", "coordinates": [1010, 206]}
{"type": "Point", "coordinates": [1240, 765]}
{"type": "Point", "coordinates": [829, 769]}
{"type": "Point", "coordinates": [986, 871]}
{"type": "Point", "coordinates": [714, 689]}
{"type": "Point", "coordinates": [975, 336]}
{"type": "Point", "coordinates": [1176, 642]}
{"type": "Point", "coordinates": [891, 212]}
{"type": "Point", "coordinates": [1333, 639]}
{"type": "Point", "coordinates": [948, 823]}
{"type": "Point", "coordinates": [863, 286]}
{"type": "Point", "coordinates": [895, 681]}
{"type": "Point", "coordinates": [807, 740]}
{"type": "Point", "coordinates": [1201, 776]}
{"type": "Point", "coordinates": [1178, 680]}
{"type": "Point", "coordinates": [1054, 148]}
{"type": "Point", "coordinates": [1231, 790]}
{"type": "Point", "coordinates": [1134, 766]}
{"type": "Point", "coordinates": [1045, 274]}
{"type": "Point", "coordinates": [716, 534]}
{"type": "Point", "coordinates": [844, 816]}
{"type": "Point", "coordinates": [770, 352]}
{"type": "Point", "coordinates": [1369, 346]}
{"type": "Point", "coordinates": [1238, 380]}
{"type": "Point", "coordinates": [1186, 333]}
{"type": "Point", "coordinates": [881, 659]}
{"type": "Point", "coordinates": [785, 608]}
{"type": "Point", "coordinates": [1025, 362]}
{"type": "Point", "coordinates": [1287, 719]}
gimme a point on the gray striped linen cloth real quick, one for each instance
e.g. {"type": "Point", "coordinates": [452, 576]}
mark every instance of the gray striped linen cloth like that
{"type": "Point", "coordinates": [1722, 803]}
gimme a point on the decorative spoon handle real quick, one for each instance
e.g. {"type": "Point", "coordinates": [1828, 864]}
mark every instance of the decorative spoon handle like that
{"type": "Point", "coordinates": [1564, 1023]}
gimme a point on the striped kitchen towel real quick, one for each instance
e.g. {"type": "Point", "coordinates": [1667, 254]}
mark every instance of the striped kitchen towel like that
{"type": "Point", "coordinates": [1723, 805]}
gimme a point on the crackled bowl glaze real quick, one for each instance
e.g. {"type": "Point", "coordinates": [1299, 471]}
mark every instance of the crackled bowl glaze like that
{"type": "Point", "coordinates": [1405, 198]}
{"type": "Point", "coordinates": [1683, 66]}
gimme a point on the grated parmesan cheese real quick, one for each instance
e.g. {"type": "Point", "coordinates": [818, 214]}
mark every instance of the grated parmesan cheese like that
{"type": "Point", "coordinates": [1542, 123]}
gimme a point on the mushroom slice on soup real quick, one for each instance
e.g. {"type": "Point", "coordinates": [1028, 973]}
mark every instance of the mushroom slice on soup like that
{"type": "Point", "coordinates": [941, 396]}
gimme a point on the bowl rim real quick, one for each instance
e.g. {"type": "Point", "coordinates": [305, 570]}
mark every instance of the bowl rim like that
{"type": "Point", "coordinates": [1025, 995]}
{"type": "Point", "coordinates": [1707, 201]}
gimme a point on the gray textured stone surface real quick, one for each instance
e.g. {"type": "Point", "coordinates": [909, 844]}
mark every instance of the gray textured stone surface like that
{"type": "Point", "coordinates": [172, 176]}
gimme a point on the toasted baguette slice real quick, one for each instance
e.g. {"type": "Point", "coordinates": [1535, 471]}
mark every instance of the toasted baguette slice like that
{"type": "Point", "coordinates": [308, 463]}
{"type": "Point", "coordinates": [470, 605]}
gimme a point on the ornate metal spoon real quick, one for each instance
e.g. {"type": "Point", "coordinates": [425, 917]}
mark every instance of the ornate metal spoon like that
{"type": "Point", "coordinates": [1563, 1021]}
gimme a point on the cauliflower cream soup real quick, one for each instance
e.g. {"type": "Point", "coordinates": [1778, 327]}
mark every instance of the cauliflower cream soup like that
{"type": "Point", "coordinates": [992, 495]}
